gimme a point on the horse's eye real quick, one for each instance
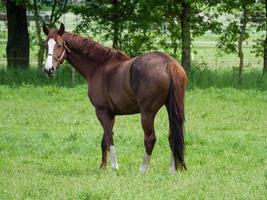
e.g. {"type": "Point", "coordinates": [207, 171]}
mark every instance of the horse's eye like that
{"type": "Point", "coordinates": [59, 46]}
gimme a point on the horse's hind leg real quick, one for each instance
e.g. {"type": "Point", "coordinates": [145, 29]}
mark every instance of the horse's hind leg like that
{"type": "Point", "coordinates": [147, 120]}
{"type": "Point", "coordinates": [107, 122]}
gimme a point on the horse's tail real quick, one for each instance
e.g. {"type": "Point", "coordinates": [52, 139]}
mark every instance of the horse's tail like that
{"type": "Point", "coordinates": [175, 108]}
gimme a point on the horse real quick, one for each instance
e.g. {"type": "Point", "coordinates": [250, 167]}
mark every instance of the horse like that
{"type": "Point", "coordinates": [120, 85]}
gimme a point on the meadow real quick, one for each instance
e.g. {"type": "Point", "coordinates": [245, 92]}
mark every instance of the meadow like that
{"type": "Point", "coordinates": [50, 143]}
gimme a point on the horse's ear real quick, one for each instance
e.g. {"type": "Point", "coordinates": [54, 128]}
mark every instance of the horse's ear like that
{"type": "Point", "coordinates": [45, 29]}
{"type": "Point", "coordinates": [61, 29]}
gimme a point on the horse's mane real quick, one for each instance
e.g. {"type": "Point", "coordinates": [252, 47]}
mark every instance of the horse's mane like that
{"type": "Point", "coordinates": [92, 49]}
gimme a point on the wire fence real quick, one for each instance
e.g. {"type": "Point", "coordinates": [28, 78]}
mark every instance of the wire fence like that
{"type": "Point", "coordinates": [218, 62]}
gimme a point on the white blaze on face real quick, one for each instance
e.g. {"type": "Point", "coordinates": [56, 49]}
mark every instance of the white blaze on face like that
{"type": "Point", "coordinates": [49, 60]}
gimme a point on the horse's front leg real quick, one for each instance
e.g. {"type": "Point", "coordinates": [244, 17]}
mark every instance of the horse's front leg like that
{"type": "Point", "coordinates": [107, 121]}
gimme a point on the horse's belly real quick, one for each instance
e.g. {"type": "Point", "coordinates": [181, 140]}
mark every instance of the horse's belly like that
{"type": "Point", "coordinates": [124, 104]}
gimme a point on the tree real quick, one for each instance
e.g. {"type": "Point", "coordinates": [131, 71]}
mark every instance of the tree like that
{"type": "Point", "coordinates": [38, 21]}
{"type": "Point", "coordinates": [173, 18]}
{"type": "Point", "coordinates": [142, 29]}
{"type": "Point", "coordinates": [17, 48]}
{"type": "Point", "coordinates": [239, 12]}
{"type": "Point", "coordinates": [58, 7]}
{"type": "Point", "coordinates": [111, 17]}
{"type": "Point", "coordinates": [134, 24]}
{"type": "Point", "coordinates": [187, 19]}
{"type": "Point", "coordinates": [265, 42]}
{"type": "Point", "coordinates": [243, 34]}
{"type": "Point", "coordinates": [259, 19]}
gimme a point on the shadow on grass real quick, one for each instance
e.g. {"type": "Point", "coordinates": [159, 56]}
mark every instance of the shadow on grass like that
{"type": "Point", "coordinates": [198, 78]}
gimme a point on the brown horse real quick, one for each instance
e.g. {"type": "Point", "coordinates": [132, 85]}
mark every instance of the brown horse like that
{"type": "Point", "coordinates": [120, 85]}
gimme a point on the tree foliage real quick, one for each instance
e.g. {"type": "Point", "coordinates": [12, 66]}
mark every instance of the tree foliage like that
{"type": "Point", "coordinates": [242, 16]}
{"type": "Point", "coordinates": [138, 26]}
{"type": "Point", "coordinates": [234, 21]}
{"type": "Point", "coordinates": [134, 26]}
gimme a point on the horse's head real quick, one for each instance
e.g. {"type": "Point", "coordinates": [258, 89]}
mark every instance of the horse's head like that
{"type": "Point", "coordinates": [55, 48]}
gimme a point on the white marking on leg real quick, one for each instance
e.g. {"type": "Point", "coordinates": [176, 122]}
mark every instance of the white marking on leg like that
{"type": "Point", "coordinates": [113, 158]}
{"type": "Point", "coordinates": [49, 60]}
{"type": "Point", "coordinates": [145, 164]}
{"type": "Point", "coordinates": [172, 166]}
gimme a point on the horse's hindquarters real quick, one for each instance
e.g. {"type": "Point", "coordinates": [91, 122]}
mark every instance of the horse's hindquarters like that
{"type": "Point", "coordinates": [150, 82]}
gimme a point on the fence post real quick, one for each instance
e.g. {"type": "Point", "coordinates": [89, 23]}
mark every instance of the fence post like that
{"type": "Point", "coordinates": [73, 75]}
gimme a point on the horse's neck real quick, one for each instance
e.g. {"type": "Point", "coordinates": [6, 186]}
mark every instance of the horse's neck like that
{"type": "Point", "coordinates": [87, 56]}
{"type": "Point", "coordinates": [83, 64]}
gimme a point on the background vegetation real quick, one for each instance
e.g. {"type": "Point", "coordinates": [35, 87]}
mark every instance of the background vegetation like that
{"type": "Point", "coordinates": [216, 33]}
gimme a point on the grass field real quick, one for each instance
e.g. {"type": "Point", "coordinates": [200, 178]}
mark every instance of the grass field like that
{"type": "Point", "coordinates": [50, 147]}
{"type": "Point", "coordinates": [50, 136]}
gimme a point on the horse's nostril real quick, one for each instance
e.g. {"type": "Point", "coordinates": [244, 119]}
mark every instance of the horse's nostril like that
{"type": "Point", "coordinates": [51, 70]}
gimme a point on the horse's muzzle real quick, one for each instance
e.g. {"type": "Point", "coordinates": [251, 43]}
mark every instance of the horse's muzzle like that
{"type": "Point", "coordinates": [49, 72]}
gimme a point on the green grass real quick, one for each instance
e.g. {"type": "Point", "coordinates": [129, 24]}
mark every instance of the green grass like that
{"type": "Point", "coordinates": [50, 147]}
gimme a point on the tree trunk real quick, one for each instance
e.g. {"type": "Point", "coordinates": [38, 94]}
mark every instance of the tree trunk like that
{"type": "Point", "coordinates": [174, 39]}
{"type": "Point", "coordinates": [175, 47]}
{"type": "Point", "coordinates": [265, 56]}
{"type": "Point", "coordinates": [17, 49]}
{"type": "Point", "coordinates": [39, 36]}
{"type": "Point", "coordinates": [243, 25]}
{"type": "Point", "coordinates": [115, 42]}
{"type": "Point", "coordinates": [186, 35]}
{"type": "Point", "coordinates": [265, 43]}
